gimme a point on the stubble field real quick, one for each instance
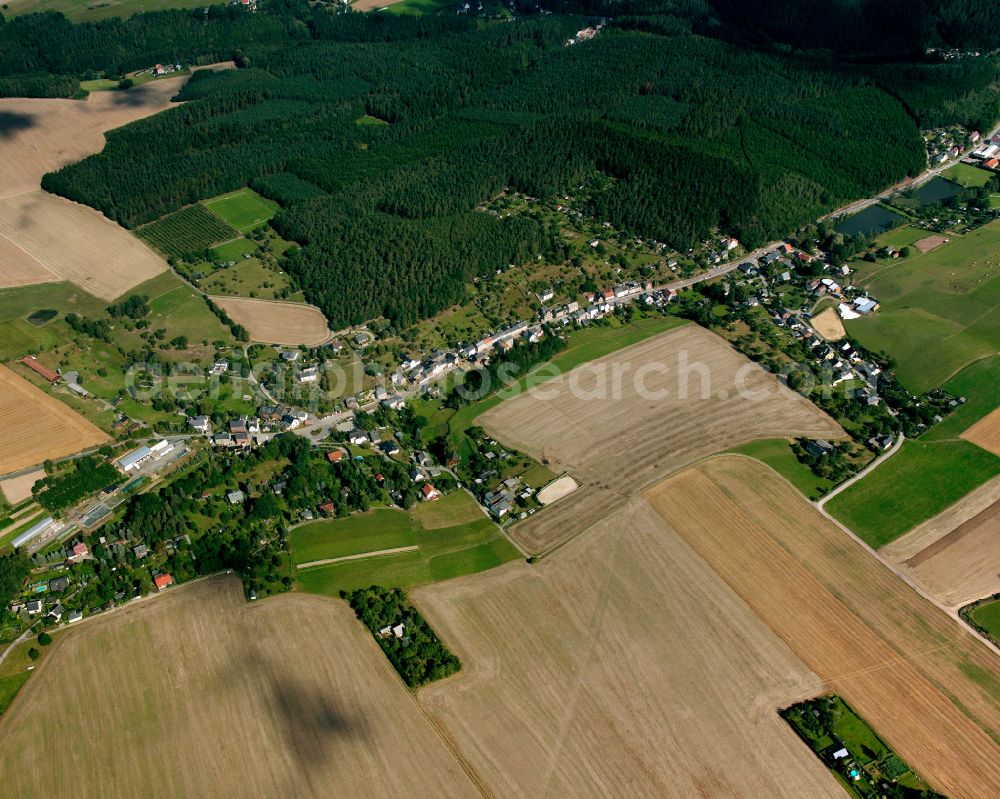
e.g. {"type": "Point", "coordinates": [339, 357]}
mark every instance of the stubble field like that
{"type": "Point", "coordinates": [928, 687]}
{"type": "Point", "coordinates": [34, 426]}
{"type": "Point", "coordinates": [619, 666]}
{"type": "Point", "coordinates": [288, 323]}
{"type": "Point", "coordinates": [17, 268]}
{"type": "Point", "coordinates": [699, 397]}
{"type": "Point", "coordinates": [42, 135]}
{"type": "Point", "coordinates": [201, 694]}
{"type": "Point", "coordinates": [956, 555]}
{"type": "Point", "coordinates": [986, 432]}
{"type": "Point", "coordinates": [77, 244]}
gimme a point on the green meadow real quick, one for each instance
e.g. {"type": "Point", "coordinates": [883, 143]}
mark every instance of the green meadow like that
{"type": "Point", "coordinates": [940, 311]}
{"type": "Point", "coordinates": [777, 453]}
{"type": "Point", "coordinates": [243, 209]}
{"type": "Point", "coordinates": [915, 484]}
{"type": "Point", "coordinates": [968, 176]}
{"type": "Point", "coordinates": [452, 537]}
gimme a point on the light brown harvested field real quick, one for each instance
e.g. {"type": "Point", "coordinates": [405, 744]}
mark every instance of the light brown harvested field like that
{"type": "Point", "coordinates": [986, 432]}
{"type": "Point", "coordinates": [956, 555]}
{"type": "Point", "coordinates": [34, 426]}
{"type": "Point", "coordinates": [557, 489]}
{"type": "Point", "coordinates": [617, 442]}
{"type": "Point", "coordinates": [77, 243]}
{"type": "Point", "coordinates": [42, 135]}
{"type": "Point", "coordinates": [290, 323]}
{"type": "Point", "coordinates": [17, 268]}
{"type": "Point", "coordinates": [930, 243]}
{"type": "Point", "coordinates": [619, 666]}
{"type": "Point", "coordinates": [200, 694]}
{"type": "Point", "coordinates": [930, 688]}
{"type": "Point", "coordinates": [17, 488]}
{"type": "Point", "coordinates": [829, 325]}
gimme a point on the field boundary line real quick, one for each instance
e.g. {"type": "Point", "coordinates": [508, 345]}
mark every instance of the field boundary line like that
{"type": "Point", "coordinates": [359, 556]}
{"type": "Point", "coordinates": [862, 474]}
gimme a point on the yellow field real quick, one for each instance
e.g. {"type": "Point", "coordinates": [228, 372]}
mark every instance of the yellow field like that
{"type": "Point", "coordinates": [986, 432]}
{"type": "Point", "coordinates": [34, 426]}
{"type": "Point", "coordinates": [619, 666]}
{"type": "Point", "coordinates": [289, 323]}
{"type": "Point", "coordinates": [198, 694]}
{"type": "Point", "coordinates": [43, 135]}
{"type": "Point", "coordinates": [930, 688]}
{"type": "Point", "coordinates": [17, 488]}
{"type": "Point", "coordinates": [829, 325]}
{"type": "Point", "coordinates": [956, 555]}
{"type": "Point", "coordinates": [78, 244]}
{"type": "Point", "coordinates": [17, 268]}
{"type": "Point", "coordinates": [621, 423]}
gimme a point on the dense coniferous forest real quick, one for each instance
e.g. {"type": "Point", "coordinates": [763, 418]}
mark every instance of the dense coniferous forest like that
{"type": "Point", "coordinates": [381, 135]}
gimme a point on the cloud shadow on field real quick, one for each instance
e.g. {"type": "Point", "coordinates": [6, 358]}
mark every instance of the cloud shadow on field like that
{"type": "Point", "coordinates": [12, 122]}
{"type": "Point", "coordinates": [309, 718]}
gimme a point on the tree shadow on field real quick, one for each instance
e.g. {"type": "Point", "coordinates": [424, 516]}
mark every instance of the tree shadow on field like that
{"type": "Point", "coordinates": [12, 122]}
{"type": "Point", "coordinates": [308, 717]}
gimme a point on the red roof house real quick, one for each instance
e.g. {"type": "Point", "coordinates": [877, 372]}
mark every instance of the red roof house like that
{"type": "Point", "coordinates": [37, 366]}
{"type": "Point", "coordinates": [334, 456]}
{"type": "Point", "coordinates": [162, 581]}
{"type": "Point", "coordinates": [430, 492]}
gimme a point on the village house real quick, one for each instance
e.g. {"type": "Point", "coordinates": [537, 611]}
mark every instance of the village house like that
{"type": "Point", "coordinates": [429, 492]}
{"type": "Point", "coordinates": [162, 581]}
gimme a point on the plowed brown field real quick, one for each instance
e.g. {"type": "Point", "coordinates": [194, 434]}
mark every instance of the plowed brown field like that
{"type": "Point", "coordinates": [199, 694]}
{"type": "Point", "coordinates": [34, 426]}
{"type": "Point", "coordinates": [931, 689]}
{"type": "Point", "coordinates": [680, 396]}
{"type": "Point", "coordinates": [620, 666]}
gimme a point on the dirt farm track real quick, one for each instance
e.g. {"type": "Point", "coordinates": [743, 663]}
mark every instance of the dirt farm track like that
{"type": "Point", "coordinates": [35, 426]}
{"type": "Point", "coordinates": [284, 698]}
{"type": "Point", "coordinates": [929, 687]}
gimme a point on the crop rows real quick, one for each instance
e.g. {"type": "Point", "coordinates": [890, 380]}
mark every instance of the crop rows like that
{"type": "Point", "coordinates": [190, 230]}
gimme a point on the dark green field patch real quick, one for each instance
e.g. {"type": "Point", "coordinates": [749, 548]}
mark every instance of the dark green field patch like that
{"type": "Point", "coordinates": [187, 232]}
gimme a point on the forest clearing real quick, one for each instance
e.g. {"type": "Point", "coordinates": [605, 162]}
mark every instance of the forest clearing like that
{"type": "Point", "coordinates": [927, 686]}
{"type": "Point", "coordinates": [288, 323]}
{"type": "Point", "coordinates": [221, 698]}
{"type": "Point", "coordinates": [35, 426]}
{"type": "Point", "coordinates": [77, 244]}
{"type": "Point", "coordinates": [619, 666]}
{"type": "Point", "coordinates": [691, 396]}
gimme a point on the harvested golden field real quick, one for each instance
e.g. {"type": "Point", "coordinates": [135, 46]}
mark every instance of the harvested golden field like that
{"type": "Point", "coordinates": [930, 688]}
{"type": "Point", "coordinates": [34, 426]}
{"type": "Point", "coordinates": [619, 666]}
{"type": "Point", "coordinates": [198, 694]}
{"type": "Point", "coordinates": [42, 135]}
{"type": "Point", "coordinates": [77, 243]}
{"type": "Point", "coordinates": [620, 423]}
{"type": "Point", "coordinates": [986, 432]}
{"type": "Point", "coordinates": [956, 555]}
{"type": "Point", "coordinates": [17, 268]}
{"type": "Point", "coordinates": [370, 5]}
{"type": "Point", "coordinates": [829, 325]}
{"type": "Point", "coordinates": [290, 323]}
{"type": "Point", "coordinates": [18, 488]}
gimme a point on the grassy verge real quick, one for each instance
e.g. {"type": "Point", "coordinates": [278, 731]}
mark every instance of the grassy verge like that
{"type": "Point", "coordinates": [451, 535]}
{"type": "Point", "coordinates": [985, 617]}
{"type": "Point", "coordinates": [916, 483]}
{"type": "Point", "coordinates": [979, 383]}
{"type": "Point", "coordinates": [777, 453]}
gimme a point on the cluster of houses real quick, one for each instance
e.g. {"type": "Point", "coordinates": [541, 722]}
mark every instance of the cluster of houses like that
{"type": "Point", "coordinates": [988, 154]}
{"type": "Point", "coordinates": [586, 34]}
{"type": "Point", "coordinates": [502, 501]}
{"type": "Point", "coordinates": [164, 69]}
